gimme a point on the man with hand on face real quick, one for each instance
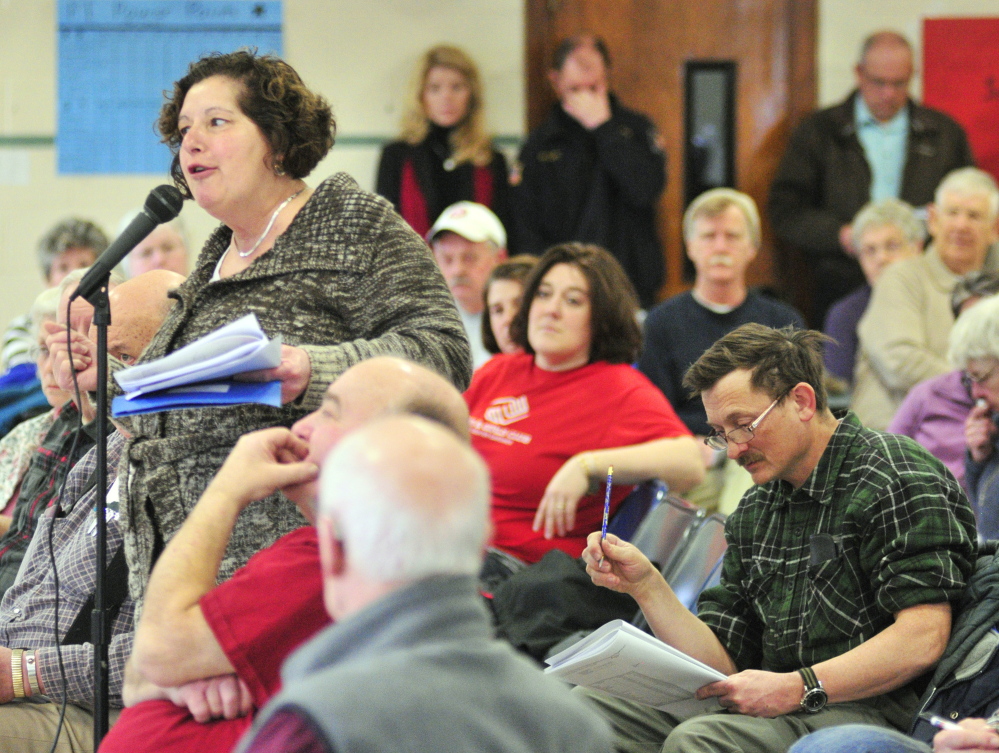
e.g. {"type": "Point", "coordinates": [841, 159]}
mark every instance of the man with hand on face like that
{"type": "Point", "coordinates": [31, 685]}
{"type": "Point", "coordinates": [842, 563]}
{"type": "Point", "coordinates": [212, 654]}
{"type": "Point", "coordinates": [875, 145]}
{"type": "Point", "coordinates": [594, 171]}
{"type": "Point", "coordinates": [56, 456]}
{"type": "Point", "coordinates": [468, 241]}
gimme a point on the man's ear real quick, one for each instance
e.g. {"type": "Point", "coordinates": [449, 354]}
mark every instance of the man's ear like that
{"type": "Point", "coordinates": [804, 400]}
{"type": "Point", "coordinates": [332, 557]}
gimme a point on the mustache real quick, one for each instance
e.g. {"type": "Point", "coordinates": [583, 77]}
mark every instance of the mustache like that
{"type": "Point", "coordinates": [721, 260]}
{"type": "Point", "coordinates": [749, 458]}
{"type": "Point", "coordinates": [459, 280]}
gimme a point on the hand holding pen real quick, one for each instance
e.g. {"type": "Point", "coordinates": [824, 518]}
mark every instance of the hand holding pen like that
{"type": "Point", "coordinates": [969, 735]}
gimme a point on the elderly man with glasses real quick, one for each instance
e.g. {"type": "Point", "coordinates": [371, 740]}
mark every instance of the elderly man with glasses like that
{"type": "Point", "coordinates": [842, 563]}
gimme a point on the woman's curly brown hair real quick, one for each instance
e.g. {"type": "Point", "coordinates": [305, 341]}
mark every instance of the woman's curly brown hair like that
{"type": "Point", "coordinates": [297, 123]}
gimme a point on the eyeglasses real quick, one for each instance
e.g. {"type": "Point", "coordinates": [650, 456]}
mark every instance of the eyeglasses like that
{"type": "Point", "coordinates": [718, 440]}
{"type": "Point", "coordinates": [968, 379]}
{"type": "Point", "coordinates": [38, 351]}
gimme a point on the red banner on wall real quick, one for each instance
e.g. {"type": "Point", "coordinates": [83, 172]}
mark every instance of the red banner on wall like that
{"type": "Point", "coordinates": [961, 77]}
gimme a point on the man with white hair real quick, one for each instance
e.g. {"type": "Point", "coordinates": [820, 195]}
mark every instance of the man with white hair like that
{"type": "Point", "coordinates": [721, 228]}
{"type": "Point", "coordinates": [904, 332]}
{"type": "Point", "coordinates": [164, 248]}
{"type": "Point", "coordinates": [877, 143]}
{"type": "Point", "coordinates": [468, 241]}
{"type": "Point", "coordinates": [403, 520]}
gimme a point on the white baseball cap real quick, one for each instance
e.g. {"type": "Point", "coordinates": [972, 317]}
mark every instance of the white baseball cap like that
{"type": "Point", "coordinates": [473, 222]}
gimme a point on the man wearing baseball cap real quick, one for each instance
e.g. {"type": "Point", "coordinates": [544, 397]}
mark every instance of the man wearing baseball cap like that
{"type": "Point", "coordinates": [468, 240]}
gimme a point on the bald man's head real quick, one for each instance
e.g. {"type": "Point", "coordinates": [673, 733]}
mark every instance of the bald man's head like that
{"type": "Point", "coordinates": [373, 388]}
{"type": "Point", "coordinates": [138, 308]}
{"type": "Point", "coordinates": [407, 499]}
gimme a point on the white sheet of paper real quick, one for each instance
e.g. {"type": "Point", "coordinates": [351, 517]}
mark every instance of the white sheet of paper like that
{"type": "Point", "coordinates": [626, 662]}
{"type": "Point", "coordinates": [237, 347]}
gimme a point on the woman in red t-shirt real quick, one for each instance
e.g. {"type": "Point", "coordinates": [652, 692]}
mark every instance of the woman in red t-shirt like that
{"type": "Point", "coordinates": [550, 421]}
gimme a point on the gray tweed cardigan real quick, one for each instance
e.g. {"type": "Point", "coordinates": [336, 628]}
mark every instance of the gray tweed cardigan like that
{"type": "Point", "coordinates": [346, 281]}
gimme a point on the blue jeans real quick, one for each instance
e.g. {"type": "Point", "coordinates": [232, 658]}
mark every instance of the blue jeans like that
{"type": "Point", "coordinates": [858, 738]}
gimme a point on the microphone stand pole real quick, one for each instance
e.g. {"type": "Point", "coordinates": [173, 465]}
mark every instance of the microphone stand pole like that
{"type": "Point", "coordinates": [100, 631]}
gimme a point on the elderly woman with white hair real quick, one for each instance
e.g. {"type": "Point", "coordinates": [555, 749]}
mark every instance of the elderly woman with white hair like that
{"type": "Point", "coordinates": [975, 347]}
{"type": "Point", "coordinates": [883, 232]}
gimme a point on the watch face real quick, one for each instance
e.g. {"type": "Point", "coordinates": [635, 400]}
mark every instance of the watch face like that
{"type": "Point", "coordinates": [814, 700]}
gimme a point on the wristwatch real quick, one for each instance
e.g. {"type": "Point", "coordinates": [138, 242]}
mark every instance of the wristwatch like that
{"type": "Point", "coordinates": [814, 698]}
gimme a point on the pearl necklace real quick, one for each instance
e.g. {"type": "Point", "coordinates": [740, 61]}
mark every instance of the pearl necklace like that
{"type": "Point", "coordinates": [282, 205]}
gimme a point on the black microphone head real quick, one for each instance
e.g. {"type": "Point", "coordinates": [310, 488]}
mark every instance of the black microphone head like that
{"type": "Point", "coordinates": [164, 203]}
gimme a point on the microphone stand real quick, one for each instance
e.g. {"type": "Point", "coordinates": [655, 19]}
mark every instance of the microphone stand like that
{"type": "Point", "coordinates": [100, 631]}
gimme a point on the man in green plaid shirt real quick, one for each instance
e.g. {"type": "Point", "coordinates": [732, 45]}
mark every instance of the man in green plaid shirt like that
{"type": "Point", "coordinates": [842, 565]}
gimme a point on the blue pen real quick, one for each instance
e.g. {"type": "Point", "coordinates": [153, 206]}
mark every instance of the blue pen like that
{"type": "Point", "coordinates": [610, 481]}
{"type": "Point", "coordinates": [603, 528]}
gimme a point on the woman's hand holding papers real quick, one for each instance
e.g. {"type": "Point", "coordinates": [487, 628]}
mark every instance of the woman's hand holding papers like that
{"type": "Point", "coordinates": [294, 373]}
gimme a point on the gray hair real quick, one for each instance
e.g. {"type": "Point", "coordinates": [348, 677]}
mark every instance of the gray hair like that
{"type": "Point", "coordinates": [69, 233]}
{"type": "Point", "coordinates": [976, 333]}
{"type": "Point", "coordinates": [969, 180]}
{"type": "Point", "coordinates": [409, 500]}
{"type": "Point", "coordinates": [44, 309]}
{"type": "Point", "coordinates": [176, 224]}
{"type": "Point", "coordinates": [894, 212]}
{"type": "Point", "coordinates": [712, 203]}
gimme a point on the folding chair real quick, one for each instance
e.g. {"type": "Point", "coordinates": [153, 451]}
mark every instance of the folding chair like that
{"type": "Point", "coordinates": [633, 509]}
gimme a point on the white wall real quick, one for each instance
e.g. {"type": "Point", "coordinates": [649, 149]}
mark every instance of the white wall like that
{"type": "Point", "coordinates": [357, 53]}
{"type": "Point", "coordinates": [843, 25]}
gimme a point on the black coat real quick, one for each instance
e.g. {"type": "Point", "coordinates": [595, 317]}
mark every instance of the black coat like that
{"type": "Point", "coordinates": [600, 186]}
{"type": "Point", "coordinates": [824, 178]}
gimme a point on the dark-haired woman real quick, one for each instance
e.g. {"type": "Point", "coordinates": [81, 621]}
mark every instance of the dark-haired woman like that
{"type": "Point", "coordinates": [550, 421]}
{"type": "Point", "coordinates": [444, 153]}
{"type": "Point", "coordinates": [332, 270]}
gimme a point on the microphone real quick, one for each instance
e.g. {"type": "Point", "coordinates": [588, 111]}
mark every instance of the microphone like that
{"type": "Point", "coordinates": [162, 205]}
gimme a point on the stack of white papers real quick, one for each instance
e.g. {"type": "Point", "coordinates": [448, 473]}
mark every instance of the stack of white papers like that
{"type": "Point", "coordinates": [623, 661]}
{"type": "Point", "coordinates": [195, 375]}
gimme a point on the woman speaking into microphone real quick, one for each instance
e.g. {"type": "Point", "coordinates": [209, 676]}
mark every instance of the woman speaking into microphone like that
{"type": "Point", "coordinates": [332, 270]}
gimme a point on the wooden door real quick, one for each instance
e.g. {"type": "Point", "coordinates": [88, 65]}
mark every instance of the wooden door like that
{"type": "Point", "coordinates": [771, 42]}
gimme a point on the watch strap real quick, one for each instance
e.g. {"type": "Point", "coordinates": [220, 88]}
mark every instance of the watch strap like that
{"type": "Point", "coordinates": [16, 672]}
{"type": "Point", "coordinates": [809, 678]}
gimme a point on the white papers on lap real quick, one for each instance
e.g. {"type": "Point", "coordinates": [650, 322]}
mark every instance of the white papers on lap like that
{"type": "Point", "coordinates": [235, 348]}
{"type": "Point", "coordinates": [625, 662]}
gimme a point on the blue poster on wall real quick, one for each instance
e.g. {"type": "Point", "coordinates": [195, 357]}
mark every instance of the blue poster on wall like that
{"type": "Point", "coordinates": [116, 59]}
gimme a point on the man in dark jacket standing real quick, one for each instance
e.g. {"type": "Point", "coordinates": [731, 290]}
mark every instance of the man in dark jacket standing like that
{"type": "Point", "coordinates": [876, 144]}
{"type": "Point", "coordinates": [593, 172]}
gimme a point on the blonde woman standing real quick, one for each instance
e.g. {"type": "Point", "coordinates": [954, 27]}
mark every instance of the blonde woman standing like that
{"type": "Point", "coordinates": [444, 153]}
